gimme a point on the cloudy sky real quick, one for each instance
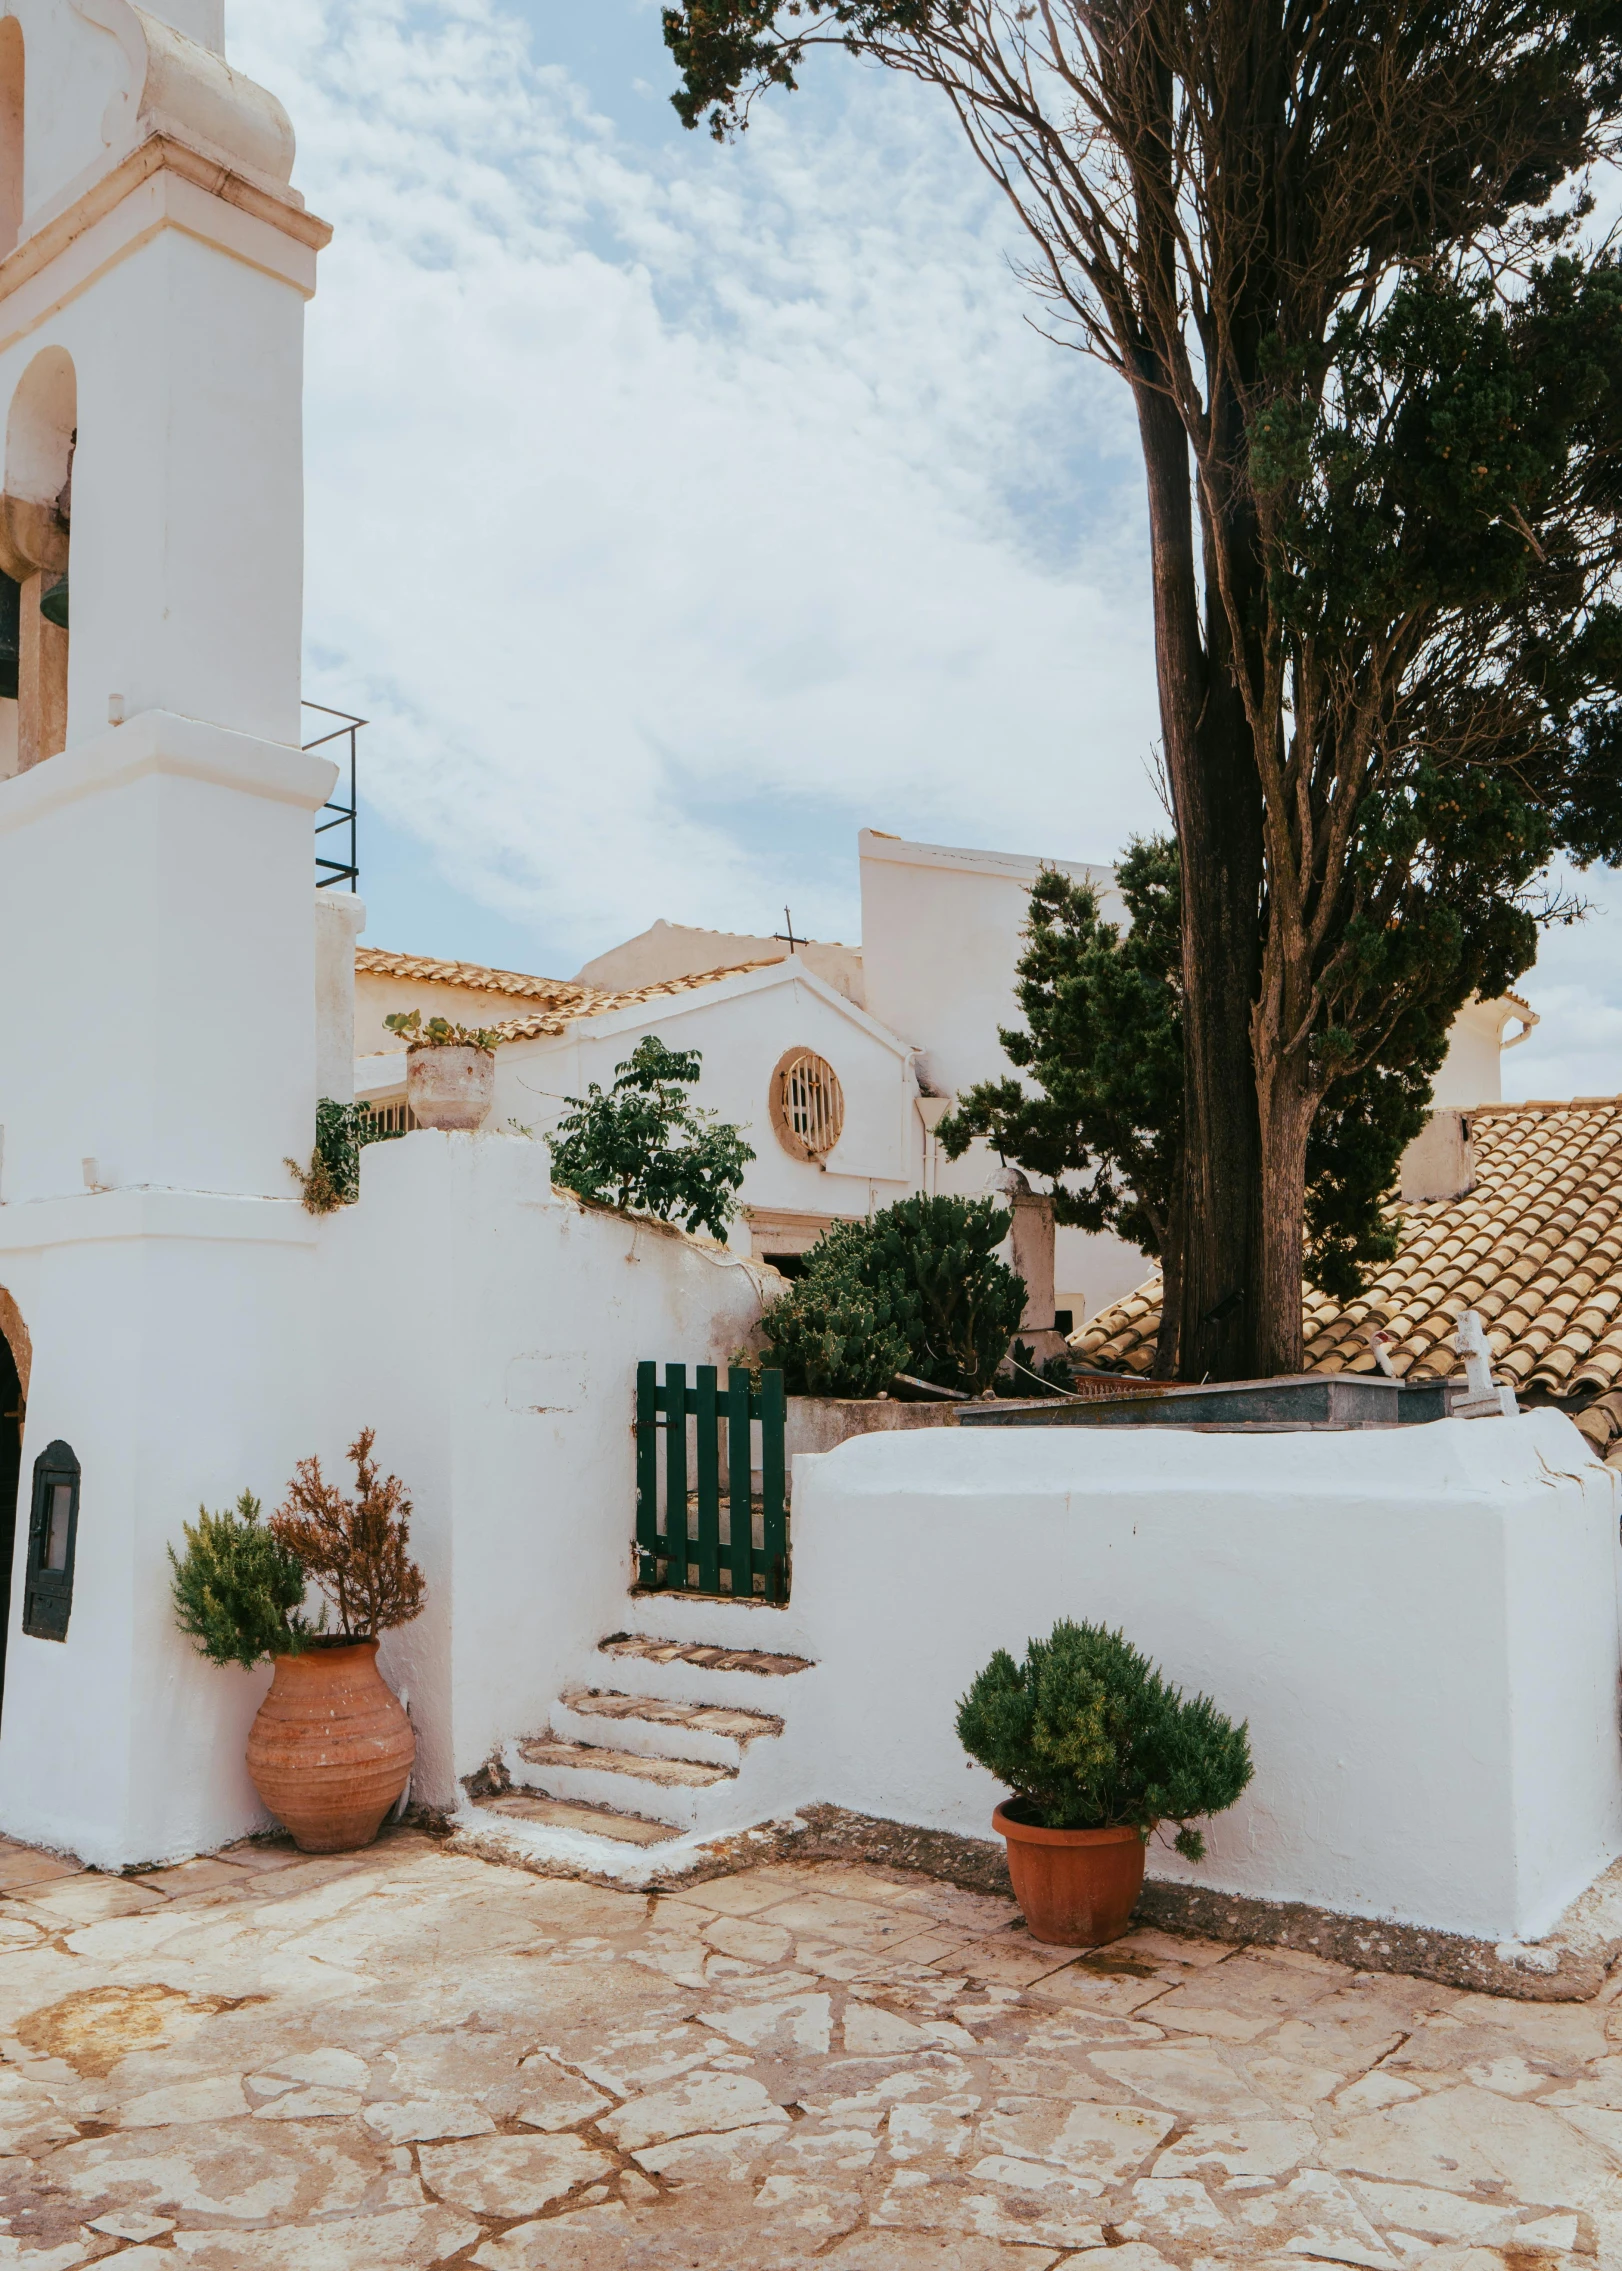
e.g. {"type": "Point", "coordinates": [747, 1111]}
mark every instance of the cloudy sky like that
{"type": "Point", "coordinates": [674, 511]}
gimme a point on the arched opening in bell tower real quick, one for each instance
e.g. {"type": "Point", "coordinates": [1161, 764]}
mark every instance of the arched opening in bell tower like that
{"type": "Point", "coordinates": [35, 520]}
{"type": "Point", "coordinates": [11, 134]}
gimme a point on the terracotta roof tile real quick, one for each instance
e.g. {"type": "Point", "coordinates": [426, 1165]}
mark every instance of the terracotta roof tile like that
{"type": "Point", "coordinates": [550, 1021]}
{"type": "Point", "coordinates": [377, 962]}
{"type": "Point", "coordinates": [560, 1000]}
{"type": "Point", "coordinates": [1535, 1247]}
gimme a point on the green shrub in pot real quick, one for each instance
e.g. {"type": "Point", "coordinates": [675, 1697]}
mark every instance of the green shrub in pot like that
{"type": "Point", "coordinates": [1088, 1735]}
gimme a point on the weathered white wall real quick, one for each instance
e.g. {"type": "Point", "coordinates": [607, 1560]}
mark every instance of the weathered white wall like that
{"type": "Point", "coordinates": [1419, 1624]}
{"type": "Point", "coordinates": [490, 1330]}
{"type": "Point", "coordinates": [940, 937]}
{"type": "Point", "coordinates": [340, 917]}
{"type": "Point", "coordinates": [156, 936]}
{"type": "Point", "coordinates": [173, 1343]}
{"type": "Point", "coordinates": [1472, 1070]}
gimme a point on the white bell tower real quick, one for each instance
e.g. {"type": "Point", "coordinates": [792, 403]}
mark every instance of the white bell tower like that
{"type": "Point", "coordinates": [157, 1028]}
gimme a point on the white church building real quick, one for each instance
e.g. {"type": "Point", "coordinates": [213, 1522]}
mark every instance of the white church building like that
{"type": "Point", "coordinates": [176, 1327]}
{"type": "Point", "coordinates": [888, 1034]}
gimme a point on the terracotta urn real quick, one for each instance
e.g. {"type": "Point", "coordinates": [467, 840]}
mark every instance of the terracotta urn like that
{"type": "Point", "coordinates": [332, 1748]}
{"type": "Point", "coordinates": [1077, 1887]}
{"type": "Point", "coordinates": [450, 1088]}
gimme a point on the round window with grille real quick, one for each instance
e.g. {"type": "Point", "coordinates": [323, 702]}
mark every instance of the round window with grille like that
{"type": "Point", "coordinates": [808, 1104]}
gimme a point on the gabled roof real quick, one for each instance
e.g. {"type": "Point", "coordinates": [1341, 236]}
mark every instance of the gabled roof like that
{"type": "Point", "coordinates": [597, 1002]}
{"type": "Point", "coordinates": [560, 1000]}
{"type": "Point", "coordinates": [1535, 1248]}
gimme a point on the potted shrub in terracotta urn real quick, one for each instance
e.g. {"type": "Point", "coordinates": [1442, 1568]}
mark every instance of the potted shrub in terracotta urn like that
{"type": "Point", "coordinates": [1098, 1750]}
{"type": "Point", "coordinates": [331, 1749]}
{"type": "Point", "coordinates": [450, 1069]}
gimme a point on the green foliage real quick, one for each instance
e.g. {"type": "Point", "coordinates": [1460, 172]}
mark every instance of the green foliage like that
{"type": "Point", "coordinates": [237, 1592]}
{"type": "Point", "coordinates": [833, 1336]}
{"type": "Point", "coordinates": [440, 1033]}
{"type": "Point", "coordinates": [1103, 1043]}
{"type": "Point", "coordinates": [645, 1147]}
{"type": "Point", "coordinates": [1089, 1736]}
{"type": "Point", "coordinates": [1378, 372]}
{"type": "Point", "coordinates": [332, 1179]}
{"type": "Point", "coordinates": [723, 48]}
{"type": "Point", "coordinates": [918, 1288]}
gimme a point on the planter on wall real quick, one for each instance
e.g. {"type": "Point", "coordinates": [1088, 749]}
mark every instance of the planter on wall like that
{"type": "Point", "coordinates": [1077, 1887]}
{"type": "Point", "coordinates": [332, 1748]}
{"type": "Point", "coordinates": [450, 1088]}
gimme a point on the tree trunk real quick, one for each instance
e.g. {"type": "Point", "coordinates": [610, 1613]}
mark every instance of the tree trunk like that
{"type": "Point", "coordinates": [1171, 1294]}
{"type": "Point", "coordinates": [1289, 1107]}
{"type": "Point", "coordinates": [1216, 799]}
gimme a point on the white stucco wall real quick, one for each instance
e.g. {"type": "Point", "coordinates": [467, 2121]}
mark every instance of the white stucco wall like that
{"type": "Point", "coordinates": [490, 1329]}
{"type": "Point", "coordinates": [340, 917]}
{"type": "Point", "coordinates": [940, 937]}
{"type": "Point", "coordinates": [1420, 1626]}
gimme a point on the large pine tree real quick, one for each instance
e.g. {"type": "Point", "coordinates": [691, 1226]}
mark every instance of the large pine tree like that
{"type": "Point", "coordinates": [1332, 250]}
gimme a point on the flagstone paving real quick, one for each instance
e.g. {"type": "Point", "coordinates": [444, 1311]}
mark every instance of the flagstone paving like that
{"type": "Point", "coordinates": [413, 2057]}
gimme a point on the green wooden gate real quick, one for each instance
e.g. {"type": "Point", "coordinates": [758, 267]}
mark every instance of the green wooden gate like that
{"type": "Point", "coordinates": [710, 1516]}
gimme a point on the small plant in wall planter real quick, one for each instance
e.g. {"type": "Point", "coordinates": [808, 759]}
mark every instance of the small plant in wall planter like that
{"type": "Point", "coordinates": [331, 1749]}
{"type": "Point", "coordinates": [450, 1069]}
{"type": "Point", "coordinates": [1099, 1751]}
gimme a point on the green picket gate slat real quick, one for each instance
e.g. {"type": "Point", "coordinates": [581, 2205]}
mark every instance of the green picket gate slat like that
{"type": "Point", "coordinates": [676, 1472]}
{"type": "Point", "coordinates": [687, 1554]}
{"type": "Point", "coordinates": [773, 1487]}
{"type": "Point", "coordinates": [647, 1473]}
{"type": "Point", "coordinates": [705, 1410]}
{"type": "Point", "coordinates": [740, 1485]}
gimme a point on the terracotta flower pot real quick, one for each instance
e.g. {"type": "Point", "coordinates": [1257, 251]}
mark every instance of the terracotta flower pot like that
{"type": "Point", "coordinates": [332, 1748]}
{"type": "Point", "coordinates": [1077, 1887]}
{"type": "Point", "coordinates": [450, 1088]}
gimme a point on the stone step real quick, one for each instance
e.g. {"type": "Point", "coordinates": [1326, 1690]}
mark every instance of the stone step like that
{"type": "Point", "coordinates": [589, 1821]}
{"type": "Point", "coordinates": [711, 1734]}
{"type": "Point", "coordinates": [703, 1673]}
{"type": "Point", "coordinates": [703, 1656]}
{"type": "Point", "coordinates": [579, 1841]}
{"type": "Point", "coordinates": [670, 1773]}
{"type": "Point", "coordinates": [684, 1791]}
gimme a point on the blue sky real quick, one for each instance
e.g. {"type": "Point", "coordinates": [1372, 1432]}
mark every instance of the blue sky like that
{"type": "Point", "coordinates": [675, 510]}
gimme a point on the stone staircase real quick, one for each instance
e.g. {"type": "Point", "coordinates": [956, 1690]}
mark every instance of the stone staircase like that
{"type": "Point", "coordinates": [670, 1744]}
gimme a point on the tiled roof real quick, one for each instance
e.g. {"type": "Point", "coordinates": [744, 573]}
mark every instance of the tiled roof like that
{"type": "Point", "coordinates": [377, 962]}
{"type": "Point", "coordinates": [541, 1023]}
{"type": "Point", "coordinates": [1535, 1249]}
{"type": "Point", "coordinates": [562, 1000]}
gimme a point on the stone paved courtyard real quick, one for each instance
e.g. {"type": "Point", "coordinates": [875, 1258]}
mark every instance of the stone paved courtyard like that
{"type": "Point", "coordinates": [415, 2057]}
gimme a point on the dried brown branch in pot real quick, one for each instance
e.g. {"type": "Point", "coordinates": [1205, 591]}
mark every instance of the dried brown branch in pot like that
{"type": "Point", "coordinates": [354, 1548]}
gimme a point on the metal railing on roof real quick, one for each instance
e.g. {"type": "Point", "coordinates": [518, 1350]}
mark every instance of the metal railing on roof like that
{"type": "Point", "coordinates": [331, 871]}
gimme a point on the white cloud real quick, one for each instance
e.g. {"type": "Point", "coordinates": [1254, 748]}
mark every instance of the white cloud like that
{"type": "Point", "coordinates": [1576, 1049]}
{"type": "Point", "coordinates": [676, 509]}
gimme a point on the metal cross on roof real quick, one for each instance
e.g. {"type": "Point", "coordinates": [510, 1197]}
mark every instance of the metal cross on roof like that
{"type": "Point", "coordinates": [787, 935]}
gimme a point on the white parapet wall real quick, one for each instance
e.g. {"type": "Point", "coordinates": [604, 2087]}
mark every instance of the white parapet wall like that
{"type": "Point", "coordinates": [489, 1327]}
{"type": "Point", "coordinates": [1420, 1625]}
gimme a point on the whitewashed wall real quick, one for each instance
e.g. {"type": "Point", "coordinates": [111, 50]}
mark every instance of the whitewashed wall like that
{"type": "Point", "coordinates": [490, 1329]}
{"type": "Point", "coordinates": [1420, 1626]}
